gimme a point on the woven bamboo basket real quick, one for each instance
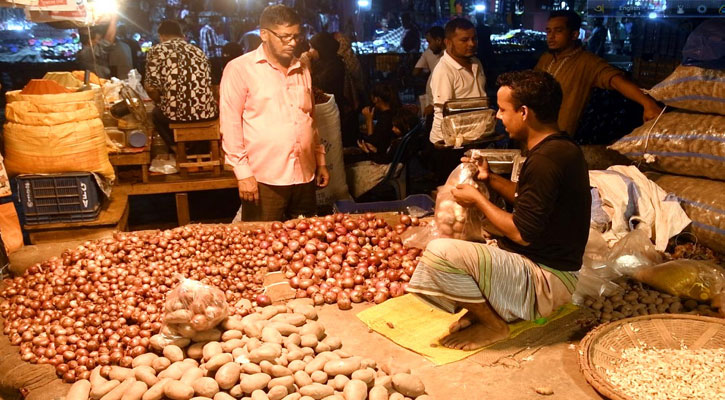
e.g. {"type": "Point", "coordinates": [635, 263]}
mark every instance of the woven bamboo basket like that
{"type": "Point", "coordinates": [601, 348]}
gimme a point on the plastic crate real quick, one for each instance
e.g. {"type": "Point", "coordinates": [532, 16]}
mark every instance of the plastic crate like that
{"type": "Point", "coordinates": [419, 201]}
{"type": "Point", "coordinates": [68, 197]}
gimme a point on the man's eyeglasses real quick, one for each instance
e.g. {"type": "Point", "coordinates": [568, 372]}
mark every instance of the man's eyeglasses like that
{"type": "Point", "coordinates": [287, 38]}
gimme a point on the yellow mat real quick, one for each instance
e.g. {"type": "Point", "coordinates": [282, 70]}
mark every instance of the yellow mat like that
{"type": "Point", "coordinates": [417, 326]}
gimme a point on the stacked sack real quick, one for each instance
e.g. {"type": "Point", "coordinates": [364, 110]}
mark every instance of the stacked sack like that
{"type": "Point", "coordinates": [688, 141]}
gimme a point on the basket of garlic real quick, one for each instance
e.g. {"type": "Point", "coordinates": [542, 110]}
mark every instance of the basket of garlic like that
{"type": "Point", "coordinates": [662, 356]}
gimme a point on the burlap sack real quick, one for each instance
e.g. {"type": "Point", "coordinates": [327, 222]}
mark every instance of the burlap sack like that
{"type": "Point", "coordinates": [681, 143]}
{"type": "Point", "coordinates": [693, 88]}
{"type": "Point", "coordinates": [32, 381]}
{"type": "Point", "coordinates": [63, 137]}
{"type": "Point", "coordinates": [704, 202]}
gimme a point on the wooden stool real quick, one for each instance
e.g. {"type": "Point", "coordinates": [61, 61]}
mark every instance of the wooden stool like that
{"type": "Point", "coordinates": [207, 131]}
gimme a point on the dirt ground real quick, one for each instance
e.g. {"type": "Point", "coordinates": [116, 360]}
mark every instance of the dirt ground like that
{"type": "Point", "coordinates": [553, 366]}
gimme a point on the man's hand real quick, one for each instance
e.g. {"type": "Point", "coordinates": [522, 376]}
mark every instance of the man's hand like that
{"type": "Point", "coordinates": [482, 164]}
{"type": "Point", "coordinates": [248, 189]}
{"type": "Point", "coordinates": [368, 112]}
{"type": "Point", "coordinates": [322, 175]}
{"type": "Point", "coordinates": [467, 195]}
{"type": "Point", "coordinates": [651, 111]}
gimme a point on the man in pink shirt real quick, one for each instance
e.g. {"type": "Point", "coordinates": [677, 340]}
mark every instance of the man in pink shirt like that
{"type": "Point", "coordinates": [267, 127]}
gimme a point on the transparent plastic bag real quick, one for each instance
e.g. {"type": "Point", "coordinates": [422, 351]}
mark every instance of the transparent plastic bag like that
{"type": "Point", "coordinates": [193, 307]}
{"type": "Point", "coordinates": [694, 279]}
{"type": "Point", "coordinates": [451, 219]}
{"type": "Point", "coordinates": [468, 127]}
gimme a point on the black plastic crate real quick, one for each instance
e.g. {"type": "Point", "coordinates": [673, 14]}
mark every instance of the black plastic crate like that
{"type": "Point", "coordinates": [67, 197]}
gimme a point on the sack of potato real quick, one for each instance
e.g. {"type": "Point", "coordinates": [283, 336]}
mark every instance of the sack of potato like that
{"type": "Point", "coordinates": [193, 307]}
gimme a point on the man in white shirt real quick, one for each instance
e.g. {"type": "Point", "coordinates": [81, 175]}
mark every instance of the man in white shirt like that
{"type": "Point", "coordinates": [428, 61]}
{"type": "Point", "coordinates": [458, 75]}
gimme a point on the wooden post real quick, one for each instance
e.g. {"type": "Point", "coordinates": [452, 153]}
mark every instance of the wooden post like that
{"type": "Point", "coordinates": [182, 208]}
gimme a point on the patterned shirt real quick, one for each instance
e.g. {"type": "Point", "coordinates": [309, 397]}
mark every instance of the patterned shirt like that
{"type": "Point", "coordinates": [182, 74]}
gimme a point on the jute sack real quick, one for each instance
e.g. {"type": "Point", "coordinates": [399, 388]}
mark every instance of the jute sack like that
{"type": "Point", "coordinates": [693, 88]}
{"type": "Point", "coordinates": [680, 143]}
{"type": "Point", "coordinates": [704, 202]}
{"type": "Point", "coordinates": [327, 120]}
{"type": "Point", "coordinates": [63, 137]}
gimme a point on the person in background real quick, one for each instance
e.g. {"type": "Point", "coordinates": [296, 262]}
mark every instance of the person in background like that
{"type": "Point", "coordinates": [93, 55]}
{"type": "Point", "coordinates": [327, 68]}
{"type": "Point", "coordinates": [578, 71]}
{"type": "Point", "coordinates": [231, 51]}
{"type": "Point", "coordinates": [355, 91]}
{"type": "Point", "coordinates": [410, 42]}
{"type": "Point", "coordinates": [458, 75]}
{"type": "Point", "coordinates": [178, 79]}
{"type": "Point", "coordinates": [485, 53]}
{"type": "Point", "coordinates": [379, 121]}
{"type": "Point", "coordinates": [597, 43]}
{"type": "Point", "coordinates": [619, 36]}
{"type": "Point", "coordinates": [123, 35]}
{"type": "Point", "coordinates": [426, 63]}
{"type": "Point", "coordinates": [250, 41]}
{"type": "Point", "coordinates": [120, 59]}
{"type": "Point", "coordinates": [368, 171]}
{"type": "Point", "coordinates": [532, 270]}
{"type": "Point", "coordinates": [211, 37]}
{"type": "Point", "coordinates": [266, 123]}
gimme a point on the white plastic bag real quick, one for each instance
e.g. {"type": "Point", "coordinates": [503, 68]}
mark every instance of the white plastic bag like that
{"type": "Point", "coordinates": [469, 127]}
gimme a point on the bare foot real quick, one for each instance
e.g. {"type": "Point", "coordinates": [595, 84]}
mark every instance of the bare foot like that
{"type": "Point", "coordinates": [464, 322]}
{"type": "Point", "coordinates": [475, 336]}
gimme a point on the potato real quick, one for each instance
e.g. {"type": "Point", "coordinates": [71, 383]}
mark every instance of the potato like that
{"type": "Point", "coordinates": [160, 364]}
{"type": "Point", "coordinates": [191, 375]}
{"type": "Point", "coordinates": [118, 391]}
{"type": "Point", "coordinates": [396, 396]}
{"type": "Point", "coordinates": [228, 375]}
{"type": "Point", "coordinates": [293, 319]}
{"type": "Point", "coordinates": [156, 392]}
{"type": "Point", "coordinates": [232, 344]}
{"type": "Point", "coordinates": [293, 339]}
{"type": "Point", "coordinates": [315, 365]}
{"type": "Point", "coordinates": [277, 392]}
{"type": "Point", "coordinates": [378, 393]}
{"type": "Point", "coordinates": [314, 328]}
{"type": "Point", "coordinates": [120, 373]}
{"type": "Point", "coordinates": [101, 390]}
{"type": "Point", "coordinates": [355, 390]}
{"type": "Point", "coordinates": [339, 382]}
{"type": "Point", "coordinates": [217, 361]}
{"type": "Point", "coordinates": [178, 317]}
{"type": "Point", "coordinates": [266, 352]}
{"type": "Point", "coordinates": [292, 396]}
{"type": "Point", "coordinates": [408, 385]}
{"type": "Point", "coordinates": [205, 386]}
{"type": "Point", "coordinates": [146, 375]}
{"type": "Point", "coordinates": [259, 395]}
{"type": "Point", "coordinates": [251, 369]}
{"type": "Point", "coordinates": [135, 391]}
{"type": "Point", "coordinates": [80, 390]}
{"type": "Point", "coordinates": [287, 381]}
{"type": "Point", "coordinates": [175, 371]}
{"type": "Point", "coordinates": [144, 359]}
{"type": "Point", "coordinates": [278, 371]}
{"type": "Point", "coordinates": [308, 340]}
{"type": "Point", "coordinates": [302, 378]}
{"type": "Point", "coordinates": [317, 391]}
{"type": "Point", "coordinates": [233, 323]}
{"type": "Point", "coordinates": [201, 398]}
{"type": "Point", "coordinates": [319, 377]}
{"type": "Point", "coordinates": [366, 375]}
{"type": "Point", "coordinates": [173, 353]}
{"type": "Point", "coordinates": [178, 391]}
{"type": "Point", "coordinates": [96, 378]}
{"type": "Point", "coordinates": [255, 382]}
{"type": "Point", "coordinates": [322, 347]}
{"type": "Point", "coordinates": [344, 366]}
{"type": "Point", "coordinates": [211, 349]}
{"type": "Point", "coordinates": [271, 335]}
{"type": "Point", "coordinates": [334, 342]}
{"type": "Point", "coordinates": [283, 328]}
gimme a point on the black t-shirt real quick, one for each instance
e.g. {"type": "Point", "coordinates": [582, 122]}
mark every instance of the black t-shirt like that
{"type": "Point", "coordinates": [553, 204]}
{"type": "Point", "coordinates": [382, 135]}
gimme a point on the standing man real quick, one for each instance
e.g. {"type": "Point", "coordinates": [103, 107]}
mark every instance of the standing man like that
{"type": "Point", "coordinates": [531, 274]}
{"type": "Point", "coordinates": [458, 75]}
{"type": "Point", "coordinates": [427, 62]}
{"type": "Point", "coordinates": [211, 37]}
{"type": "Point", "coordinates": [578, 71]}
{"type": "Point", "coordinates": [267, 126]}
{"type": "Point", "coordinates": [178, 79]}
{"type": "Point", "coordinates": [93, 55]}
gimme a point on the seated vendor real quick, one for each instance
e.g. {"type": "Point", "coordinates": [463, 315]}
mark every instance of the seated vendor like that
{"type": "Point", "coordinates": [178, 79]}
{"type": "Point", "coordinates": [532, 273]}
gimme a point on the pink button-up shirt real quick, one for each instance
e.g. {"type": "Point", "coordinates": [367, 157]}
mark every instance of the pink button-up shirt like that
{"type": "Point", "coordinates": [266, 121]}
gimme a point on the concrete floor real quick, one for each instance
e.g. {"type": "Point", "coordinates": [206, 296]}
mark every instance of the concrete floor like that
{"type": "Point", "coordinates": [553, 366]}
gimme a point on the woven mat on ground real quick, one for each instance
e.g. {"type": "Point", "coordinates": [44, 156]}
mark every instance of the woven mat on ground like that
{"type": "Point", "coordinates": [417, 326]}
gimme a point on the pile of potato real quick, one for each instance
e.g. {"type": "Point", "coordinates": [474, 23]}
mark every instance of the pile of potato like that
{"type": "Point", "coordinates": [279, 352]}
{"type": "Point", "coordinates": [637, 299]}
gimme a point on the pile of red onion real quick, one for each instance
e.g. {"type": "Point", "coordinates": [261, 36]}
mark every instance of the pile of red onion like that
{"type": "Point", "coordinates": [100, 303]}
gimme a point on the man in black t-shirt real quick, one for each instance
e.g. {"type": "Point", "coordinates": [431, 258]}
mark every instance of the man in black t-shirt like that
{"type": "Point", "coordinates": [531, 274]}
